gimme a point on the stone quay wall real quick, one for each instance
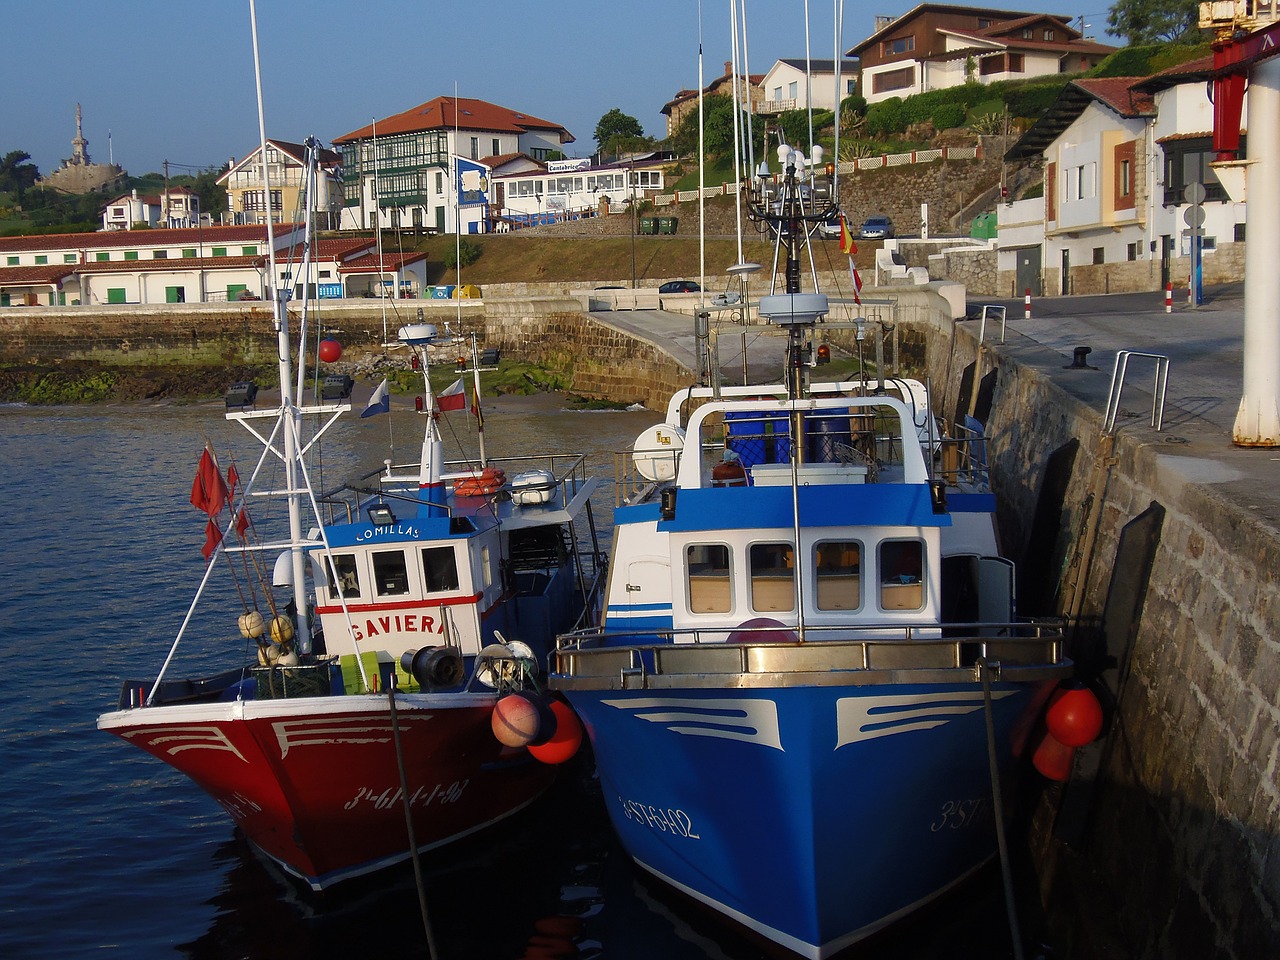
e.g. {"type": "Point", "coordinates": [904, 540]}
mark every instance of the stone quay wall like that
{"type": "Point", "coordinates": [1179, 855]}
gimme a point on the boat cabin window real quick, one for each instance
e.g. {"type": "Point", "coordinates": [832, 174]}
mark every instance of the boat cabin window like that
{"type": "Point", "coordinates": [390, 573]}
{"type": "Point", "coordinates": [837, 566]}
{"type": "Point", "coordinates": [901, 575]}
{"type": "Point", "coordinates": [772, 577]}
{"type": "Point", "coordinates": [439, 569]}
{"type": "Point", "coordinates": [342, 573]}
{"type": "Point", "coordinates": [707, 566]}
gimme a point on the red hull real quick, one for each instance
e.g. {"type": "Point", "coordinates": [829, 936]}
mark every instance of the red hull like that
{"type": "Point", "coordinates": [314, 783]}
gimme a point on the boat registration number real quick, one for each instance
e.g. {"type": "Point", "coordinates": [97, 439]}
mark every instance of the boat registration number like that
{"type": "Point", "coordinates": [675, 822]}
{"type": "Point", "coordinates": [957, 814]}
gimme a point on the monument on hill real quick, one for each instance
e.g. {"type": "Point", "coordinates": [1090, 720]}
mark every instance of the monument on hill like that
{"type": "Point", "coordinates": [79, 174]}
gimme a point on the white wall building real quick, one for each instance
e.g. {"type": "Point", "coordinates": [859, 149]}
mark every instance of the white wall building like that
{"type": "Point", "coordinates": [787, 86]}
{"type": "Point", "coordinates": [572, 188]}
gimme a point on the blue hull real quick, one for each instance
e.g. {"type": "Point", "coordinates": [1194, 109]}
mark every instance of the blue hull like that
{"type": "Point", "coordinates": [812, 815]}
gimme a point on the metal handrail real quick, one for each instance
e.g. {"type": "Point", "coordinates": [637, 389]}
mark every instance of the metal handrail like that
{"type": "Point", "coordinates": [1118, 372]}
{"type": "Point", "coordinates": [991, 308]}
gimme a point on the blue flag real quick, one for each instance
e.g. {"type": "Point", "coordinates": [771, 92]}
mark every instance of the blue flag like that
{"type": "Point", "coordinates": [380, 402]}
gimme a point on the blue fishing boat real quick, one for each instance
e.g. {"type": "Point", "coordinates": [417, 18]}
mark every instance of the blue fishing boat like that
{"type": "Point", "coordinates": [811, 660]}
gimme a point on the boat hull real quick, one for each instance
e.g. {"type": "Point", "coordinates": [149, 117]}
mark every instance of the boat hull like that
{"type": "Point", "coordinates": [314, 783]}
{"type": "Point", "coordinates": [814, 816]}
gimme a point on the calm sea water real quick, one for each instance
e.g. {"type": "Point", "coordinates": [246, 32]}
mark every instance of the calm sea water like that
{"type": "Point", "coordinates": [107, 852]}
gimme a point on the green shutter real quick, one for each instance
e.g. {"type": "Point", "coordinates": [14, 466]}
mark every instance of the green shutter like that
{"type": "Point", "coordinates": [188, 253]}
{"type": "Point", "coordinates": [115, 295]}
{"type": "Point", "coordinates": [42, 258]}
{"type": "Point", "coordinates": [235, 289]}
{"type": "Point", "coordinates": [175, 295]}
{"type": "Point", "coordinates": [68, 258]}
{"type": "Point", "coordinates": [249, 251]}
{"type": "Point", "coordinates": [103, 257]}
{"type": "Point", "coordinates": [219, 251]}
{"type": "Point", "coordinates": [131, 254]}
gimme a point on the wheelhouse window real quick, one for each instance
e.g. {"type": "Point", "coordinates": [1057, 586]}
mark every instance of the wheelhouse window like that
{"type": "Point", "coordinates": [343, 576]}
{"type": "Point", "coordinates": [837, 566]}
{"type": "Point", "coordinates": [390, 573]}
{"type": "Point", "coordinates": [772, 577]}
{"type": "Point", "coordinates": [439, 569]}
{"type": "Point", "coordinates": [710, 578]}
{"type": "Point", "coordinates": [901, 575]}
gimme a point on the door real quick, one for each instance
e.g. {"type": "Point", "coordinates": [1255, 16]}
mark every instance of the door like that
{"type": "Point", "coordinates": [1066, 272]}
{"type": "Point", "coordinates": [1166, 255]}
{"type": "Point", "coordinates": [1028, 271]}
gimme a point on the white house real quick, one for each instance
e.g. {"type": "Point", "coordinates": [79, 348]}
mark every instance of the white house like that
{"type": "Point", "coordinates": [788, 86]}
{"type": "Point", "coordinates": [572, 188]}
{"type": "Point", "coordinates": [400, 171]}
{"type": "Point", "coordinates": [286, 167]}
{"type": "Point", "coordinates": [1119, 155]}
{"type": "Point", "coordinates": [130, 210]}
{"type": "Point", "coordinates": [934, 46]}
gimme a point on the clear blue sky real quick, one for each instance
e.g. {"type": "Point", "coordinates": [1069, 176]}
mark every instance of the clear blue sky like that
{"type": "Point", "coordinates": [174, 80]}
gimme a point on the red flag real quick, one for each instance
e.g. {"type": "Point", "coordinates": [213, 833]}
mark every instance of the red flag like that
{"type": "Point", "coordinates": [208, 491]}
{"type": "Point", "coordinates": [857, 282]}
{"type": "Point", "coordinates": [233, 478]}
{"type": "Point", "coordinates": [242, 522]}
{"type": "Point", "coordinates": [453, 397]}
{"type": "Point", "coordinates": [212, 537]}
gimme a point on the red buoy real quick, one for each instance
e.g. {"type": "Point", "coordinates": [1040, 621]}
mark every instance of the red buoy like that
{"type": "Point", "coordinates": [517, 720]}
{"type": "Point", "coordinates": [330, 351]}
{"type": "Point", "coordinates": [1074, 717]}
{"type": "Point", "coordinates": [1053, 759]}
{"type": "Point", "coordinates": [564, 743]}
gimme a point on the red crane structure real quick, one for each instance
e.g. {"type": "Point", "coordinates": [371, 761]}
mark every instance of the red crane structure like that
{"type": "Point", "coordinates": [1246, 39]}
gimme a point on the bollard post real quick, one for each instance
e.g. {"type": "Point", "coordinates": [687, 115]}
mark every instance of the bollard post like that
{"type": "Point", "coordinates": [1026, 313]}
{"type": "Point", "coordinates": [1168, 297]}
{"type": "Point", "coordinates": [1191, 289]}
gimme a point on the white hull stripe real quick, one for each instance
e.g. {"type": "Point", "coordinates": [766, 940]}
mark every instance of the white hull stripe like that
{"type": "Point", "coordinates": [179, 739]}
{"type": "Point", "coordinates": [865, 718]}
{"type": "Point", "coordinates": [753, 721]}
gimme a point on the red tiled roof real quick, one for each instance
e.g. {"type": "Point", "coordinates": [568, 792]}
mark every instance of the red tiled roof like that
{"type": "Point", "coordinates": [26, 276]}
{"type": "Point", "coordinates": [208, 264]}
{"type": "Point", "coordinates": [1188, 72]}
{"type": "Point", "coordinates": [446, 113]}
{"type": "Point", "coordinates": [1119, 94]}
{"type": "Point", "coordinates": [132, 239]}
{"type": "Point", "coordinates": [371, 263]}
{"type": "Point", "coordinates": [329, 248]}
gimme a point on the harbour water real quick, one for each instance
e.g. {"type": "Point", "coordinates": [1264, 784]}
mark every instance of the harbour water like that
{"type": "Point", "coordinates": [108, 853]}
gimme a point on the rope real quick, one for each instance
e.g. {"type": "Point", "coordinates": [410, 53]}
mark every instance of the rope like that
{"type": "Point", "coordinates": [997, 802]}
{"type": "Point", "coordinates": [408, 820]}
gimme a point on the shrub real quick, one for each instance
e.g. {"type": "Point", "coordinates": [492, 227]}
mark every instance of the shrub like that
{"type": "Point", "coordinates": [467, 252]}
{"type": "Point", "coordinates": [948, 115]}
{"type": "Point", "coordinates": [886, 117]}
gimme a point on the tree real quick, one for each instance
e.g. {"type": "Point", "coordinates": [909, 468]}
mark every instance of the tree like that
{"type": "Point", "coordinates": [615, 127]}
{"type": "Point", "coordinates": [1149, 21]}
{"type": "Point", "coordinates": [16, 174]}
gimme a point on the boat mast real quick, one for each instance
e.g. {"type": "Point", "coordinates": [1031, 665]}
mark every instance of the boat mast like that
{"type": "Point", "coordinates": [289, 413]}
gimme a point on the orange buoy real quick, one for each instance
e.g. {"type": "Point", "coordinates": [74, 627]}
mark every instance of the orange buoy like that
{"type": "Point", "coordinates": [518, 720]}
{"type": "Point", "coordinates": [563, 744]}
{"type": "Point", "coordinates": [1053, 759]}
{"type": "Point", "coordinates": [1074, 717]}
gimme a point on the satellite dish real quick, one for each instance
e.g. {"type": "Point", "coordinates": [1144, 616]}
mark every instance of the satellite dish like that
{"type": "Point", "coordinates": [656, 453]}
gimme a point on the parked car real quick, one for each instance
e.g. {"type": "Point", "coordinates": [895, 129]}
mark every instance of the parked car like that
{"type": "Point", "coordinates": [679, 286]}
{"type": "Point", "coordinates": [876, 228]}
{"type": "Point", "coordinates": [830, 229]}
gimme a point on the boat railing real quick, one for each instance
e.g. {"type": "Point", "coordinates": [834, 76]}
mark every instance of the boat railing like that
{"type": "Point", "coordinates": [399, 481]}
{"type": "Point", "coordinates": [1026, 645]}
{"type": "Point", "coordinates": [962, 457]}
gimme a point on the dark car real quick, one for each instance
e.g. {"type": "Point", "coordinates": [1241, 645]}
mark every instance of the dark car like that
{"type": "Point", "coordinates": [876, 228]}
{"type": "Point", "coordinates": [679, 286]}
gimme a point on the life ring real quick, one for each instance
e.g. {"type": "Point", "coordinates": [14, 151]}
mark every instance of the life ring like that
{"type": "Point", "coordinates": [485, 483]}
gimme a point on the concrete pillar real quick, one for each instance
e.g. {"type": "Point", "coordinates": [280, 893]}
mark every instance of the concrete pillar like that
{"type": "Point", "coordinates": [1258, 419]}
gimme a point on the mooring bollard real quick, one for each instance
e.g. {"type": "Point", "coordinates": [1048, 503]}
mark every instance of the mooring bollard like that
{"type": "Point", "coordinates": [1026, 313]}
{"type": "Point", "coordinates": [1168, 297]}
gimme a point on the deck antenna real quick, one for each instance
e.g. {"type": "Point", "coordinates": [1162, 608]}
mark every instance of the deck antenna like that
{"type": "Point", "coordinates": [377, 223]}
{"type": "Point", "coordinates": [737, 109]}
{"type": "Point", "coordinates": [838, 61]}
{"type": "Point", "coordinates": [808, 77]}
{"type": "Point", "coordinates": [702, 190]}
{"type": "Point", "coordinates": [288, 412]}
